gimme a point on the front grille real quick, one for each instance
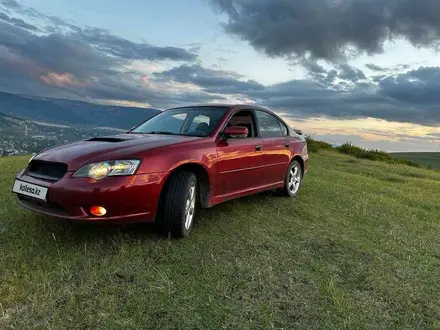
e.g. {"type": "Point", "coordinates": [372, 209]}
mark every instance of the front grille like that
{"type": "Point", "coordinates": [50, 208]}
{"type": "Point", "coordinates": [47, 170]}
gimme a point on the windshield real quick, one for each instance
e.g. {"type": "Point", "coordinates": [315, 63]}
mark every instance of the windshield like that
{"type": "Point", "coordinates": [192, 121]}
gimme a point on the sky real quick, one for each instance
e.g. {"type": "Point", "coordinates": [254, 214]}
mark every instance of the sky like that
{"type": "Point", "coordinates": [360, 71]}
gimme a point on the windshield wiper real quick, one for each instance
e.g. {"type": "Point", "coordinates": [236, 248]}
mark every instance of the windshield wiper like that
{"type": "Point", "coordinates": [161, 132]}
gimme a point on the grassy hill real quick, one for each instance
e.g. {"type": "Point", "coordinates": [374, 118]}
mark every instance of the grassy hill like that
{"type": "Point", "coordinates": [360, 248]}
{"type": "Point", "coordinates": [423, 158]}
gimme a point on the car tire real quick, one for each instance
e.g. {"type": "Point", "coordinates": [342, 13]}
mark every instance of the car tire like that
{"type": "Point", "coordinates": [293, 179]}
{"type": "Point", "coordinates": [179, 204]}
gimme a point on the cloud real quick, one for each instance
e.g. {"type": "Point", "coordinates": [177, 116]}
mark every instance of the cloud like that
{"type": "Point", "coordinates": [10, 4]}
{"type": "Point", "coordinates": [18, 22]}
{"type": "Point", "coordinates": [312, 66]}
{"type": "Point", "coordinates": [343, 73]}
{"type": "Point", "coordinates": [355, 98]}
{"type": "Point", "coordinates": [350, 73]}
{"type": "Point", "coordinates": [55, 52]}
{"type": "Point", "coordinates": [53, 23]}
{"type": "Point", "coordinates": [211, 81]}
{"type": "Point", "coordinates": [60, 80]}
{"type": "Point", "coordinates": [123, 48]}
{"type": "Point", "coordinates": [419, 87]}
{"type": "Point", "coordinates": [100, 39]}
{"type": "Point", "coordinates": [64, 60]}
{"type": "Point", "coordinates": [351, 104]}
{"type": "Point", "coordinates": [375, 67]}
{"type": "Point", "coordinates": [330, 29]}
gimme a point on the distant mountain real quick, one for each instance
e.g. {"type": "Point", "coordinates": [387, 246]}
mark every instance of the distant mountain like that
{"type": "Point", "coordinates": [71, 112]}
{"type": "Point", "coordinates": [37, 110]}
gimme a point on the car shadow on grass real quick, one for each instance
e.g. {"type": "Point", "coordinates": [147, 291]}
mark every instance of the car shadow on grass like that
{"type": "Point", "coordinates": [68, 232]}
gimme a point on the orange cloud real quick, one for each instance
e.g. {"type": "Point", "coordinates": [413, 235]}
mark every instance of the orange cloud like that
{"type": "Point", "coordinates": [60, 79]}
{"type": "Point", "coordinates": [369, 129]}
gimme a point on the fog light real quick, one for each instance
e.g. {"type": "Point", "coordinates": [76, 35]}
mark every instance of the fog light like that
{"type": "Point", "coordinates": [98, 211]}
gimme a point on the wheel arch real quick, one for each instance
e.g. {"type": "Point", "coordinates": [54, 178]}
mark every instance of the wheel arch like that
{"type": "Point", "coordinates": [300, 160]}
{"type": "Point", "coordinates": [203, 180]}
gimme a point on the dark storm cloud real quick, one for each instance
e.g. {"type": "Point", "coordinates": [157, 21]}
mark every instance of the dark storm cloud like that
{"type": "Point", "coordinates": [316, 71]}
{"type": "Point", "coordinates": [127, 49]}
{"type": "Point", "coordinates": [212, 81]}
{"type": "Point", "coordinates": [350, 73]}
{"type": "Point", "coordinates": [358, 102]}
{"type": "Point", "coordinates": [312, 66]}
{"type": "Point", "coordinates": [17, 22]}
{"type": "Point", "coordinates": [418, 87]}
{"type": "Point", "coordinates": [52, 53]}
{"type": "Point", "coordinates": [100, 39]}
{"type": "Point", "coordinates": [64, 60]}
{"type": "Point", "coordinates": [358, 98]}
{"type": "Point", "coordinates": [331, 29]}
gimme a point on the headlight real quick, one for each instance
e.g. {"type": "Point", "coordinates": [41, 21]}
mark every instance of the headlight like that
{"type": "Point", "coordinates": [102, 170]}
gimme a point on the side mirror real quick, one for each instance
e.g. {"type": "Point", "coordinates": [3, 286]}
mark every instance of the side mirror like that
{"type": "Point", "coordinates": [236, 132]}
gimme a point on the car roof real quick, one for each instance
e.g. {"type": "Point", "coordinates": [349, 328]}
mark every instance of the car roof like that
{"type": "Point", "coordinates": [222, 105]}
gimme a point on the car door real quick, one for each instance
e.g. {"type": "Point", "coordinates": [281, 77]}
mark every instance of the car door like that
{"type": "Point", "coordinates": [276, 145]}
{"type": "Point", "coordinates": [240, 160]}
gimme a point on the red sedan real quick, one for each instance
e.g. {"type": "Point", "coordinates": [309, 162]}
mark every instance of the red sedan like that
{"type": "Point", "coordinates": [165, 168]}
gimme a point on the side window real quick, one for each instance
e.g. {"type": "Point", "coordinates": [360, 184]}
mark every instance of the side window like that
{"type": "Point", "coordinates": [269, 125]}
{"type": "Point", "coordinates": [246, 119]}
{"type": "Point", "coordinates": [284, 129]}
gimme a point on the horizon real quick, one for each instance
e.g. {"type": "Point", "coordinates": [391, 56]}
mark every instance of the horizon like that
{"type": "Point", "coordinates": [341, 79]}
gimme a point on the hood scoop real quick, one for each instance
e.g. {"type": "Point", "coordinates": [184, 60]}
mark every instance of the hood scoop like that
{"type": "Point", "coordinates": [106, 139]}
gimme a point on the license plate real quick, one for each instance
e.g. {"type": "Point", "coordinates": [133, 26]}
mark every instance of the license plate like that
{"type": "Point", "coordinates": [29, 189]}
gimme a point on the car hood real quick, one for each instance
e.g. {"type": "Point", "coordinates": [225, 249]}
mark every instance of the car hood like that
{"type": "Point", "coordinates": [77, 154]}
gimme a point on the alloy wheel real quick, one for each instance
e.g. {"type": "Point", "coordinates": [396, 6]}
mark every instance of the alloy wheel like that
{"type": "Point", "coordinates": [294, 179]}
{"type": "Point", "coordinates": [190, 206]}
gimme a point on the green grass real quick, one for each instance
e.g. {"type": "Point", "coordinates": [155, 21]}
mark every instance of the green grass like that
{"type": "Point", "coordinates": [358, 249]}
{"type": "Point", "coordinates": [427, 159]}
{"type": "Point", "coordinates": [378, 155]}
{"type": "Point", "coordinates": [315, 145]}
{"type": "Point", "coordinates": [358, 152]}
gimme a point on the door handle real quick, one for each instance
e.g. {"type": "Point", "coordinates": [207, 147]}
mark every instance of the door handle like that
{"type": "Point", "coordinates": [258, 147]}
{"type": "Point", "coordinates": [287, 145]}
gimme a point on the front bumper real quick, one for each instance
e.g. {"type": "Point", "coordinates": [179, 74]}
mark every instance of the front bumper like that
{"type": "Point", "coordinates": [126, 198]}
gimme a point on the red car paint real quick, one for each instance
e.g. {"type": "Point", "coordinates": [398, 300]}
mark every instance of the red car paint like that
{"type": "Point", "coordinates": [228, 169]}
